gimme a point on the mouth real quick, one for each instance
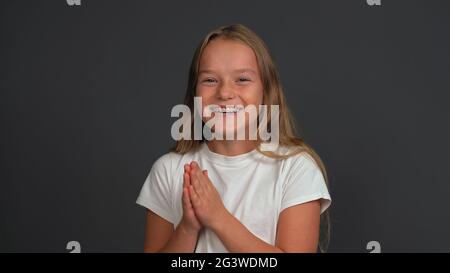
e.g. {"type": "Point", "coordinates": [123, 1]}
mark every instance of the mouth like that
{"type": "Point", "coordinates": [226, 109]}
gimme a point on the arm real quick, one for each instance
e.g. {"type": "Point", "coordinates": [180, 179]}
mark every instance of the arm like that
{"type": "Point", "coordinates": [298, 231]}
{"type": "Point", "coordinates": [298, 226]}
{"type": "Point", "coordinates": [237, 238]}
{"type": "Point", "coordinates": [160, 234]}
{"type": "Point", "coordinates": [161, 237]}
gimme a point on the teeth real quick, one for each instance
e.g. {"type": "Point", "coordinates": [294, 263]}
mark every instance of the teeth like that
{"type": "Point", "coordinates": [227, 109]}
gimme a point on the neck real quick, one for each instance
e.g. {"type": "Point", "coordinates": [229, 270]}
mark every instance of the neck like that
{"type": "Point", "coordinates": [231, 147]}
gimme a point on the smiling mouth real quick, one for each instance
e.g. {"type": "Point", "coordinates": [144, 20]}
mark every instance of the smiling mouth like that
{"type": "Point", "coordinates": [226, 109]}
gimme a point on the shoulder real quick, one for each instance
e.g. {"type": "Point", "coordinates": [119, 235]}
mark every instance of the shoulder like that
{"type": "Point", "coordinates": [296, 155]}
{"type": "Point", "coordinates": [297, 161]}
{"type": "Point", "coordinates": [171, 161]}
{"type": "Point", "coordinates": [166, 162]}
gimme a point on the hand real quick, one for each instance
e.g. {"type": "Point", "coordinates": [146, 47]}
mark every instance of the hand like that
{"type": "Point", "coordinates": [189, 220]}
{"type": "Point", "coordinates": [206, 200]}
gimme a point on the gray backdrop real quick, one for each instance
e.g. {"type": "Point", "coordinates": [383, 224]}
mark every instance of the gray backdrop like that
{"type": "Point", "coordinates": [86, 94]}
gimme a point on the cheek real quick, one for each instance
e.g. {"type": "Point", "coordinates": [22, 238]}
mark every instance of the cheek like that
{"type": "Point", "coordinates": [253, 95]}
{"type": "Point", "coordinates": [206, 95]}
{"type": "Point", "coordinates": [199, 92]}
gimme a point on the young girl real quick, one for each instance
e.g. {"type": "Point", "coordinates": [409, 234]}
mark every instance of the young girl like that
{"type": "Point", "coordinates": [230, 195]}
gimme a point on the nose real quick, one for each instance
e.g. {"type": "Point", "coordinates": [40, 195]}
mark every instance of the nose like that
{"type": "Point", "coordinates": [225, 91]}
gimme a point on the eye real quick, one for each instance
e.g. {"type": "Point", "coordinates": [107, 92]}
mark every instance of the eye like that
{"type": "Point", "coordinates": [243, 80]}
{"type": "Point", "coordinates": [209, 81]}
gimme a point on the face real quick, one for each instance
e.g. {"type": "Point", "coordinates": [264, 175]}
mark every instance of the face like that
{"type": "Point", "coordinates": [229, 77]}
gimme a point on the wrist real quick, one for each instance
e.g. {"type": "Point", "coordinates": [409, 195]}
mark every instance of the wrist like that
{"type": "Point", "coordinates": [188, 230]}
{"type": "Point", "coordinates": [222, 219]}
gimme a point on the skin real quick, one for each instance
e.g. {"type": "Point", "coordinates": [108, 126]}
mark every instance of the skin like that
{"type": "Point", "coordinates": [228, 75]}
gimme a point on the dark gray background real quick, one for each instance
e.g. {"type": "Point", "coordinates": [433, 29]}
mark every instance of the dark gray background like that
{"type": "Point", "coordinates": [86, 94]}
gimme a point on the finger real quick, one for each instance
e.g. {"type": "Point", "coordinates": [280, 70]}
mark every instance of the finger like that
{"type": "Point", "coordinates": [186, 200]}
{"type": "Point", "coordinates": [197, 174]}
{"type": "Point", "coordinates": [183, 197]}
{"type": "Point", "coordinates": [194, 165]}
{"type": "Point", "coordinates": [196, 183]}
{"type": "Point", "coordinates": [206, 181]}
{"type": "Point", "coordinates": [186, 179]}
{"type": "Point", "coordinates": [203, 182]}
{"type": "Point", "coordinates": [187, 167]}
{"type": "Point", "coordinates": [194, 196]}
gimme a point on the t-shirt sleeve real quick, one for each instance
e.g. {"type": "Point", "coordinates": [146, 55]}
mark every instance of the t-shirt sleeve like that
{"type": "Point", "coordinates": [304, 183]}
{"type": "Point", "coordinates": [156, 192]}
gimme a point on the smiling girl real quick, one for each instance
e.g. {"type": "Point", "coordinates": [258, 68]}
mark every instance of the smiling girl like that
{"type": "Point", "coordinates": [230, 195]}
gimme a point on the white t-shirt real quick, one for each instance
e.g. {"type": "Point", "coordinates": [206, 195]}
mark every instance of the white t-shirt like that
{"type": "Point", "coordinates": [254, 188]}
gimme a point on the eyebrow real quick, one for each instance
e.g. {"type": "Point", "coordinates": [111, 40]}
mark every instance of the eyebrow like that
{"type": "Point", "coordinates": [236, 70]}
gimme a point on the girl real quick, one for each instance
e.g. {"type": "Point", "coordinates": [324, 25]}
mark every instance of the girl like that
{"type": "Point", "coordinates": [230, 195]}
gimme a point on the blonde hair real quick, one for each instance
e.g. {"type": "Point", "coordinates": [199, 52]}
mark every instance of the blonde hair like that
{"type": "Point", "coordinates": [272, 95]}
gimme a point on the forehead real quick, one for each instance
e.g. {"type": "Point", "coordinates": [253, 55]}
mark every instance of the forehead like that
{"type": "Point", "coordinates": [226, 54]}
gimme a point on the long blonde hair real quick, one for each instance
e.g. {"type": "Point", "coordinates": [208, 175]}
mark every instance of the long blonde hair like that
{"type": "Point", "coordinates": [272, 95]}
